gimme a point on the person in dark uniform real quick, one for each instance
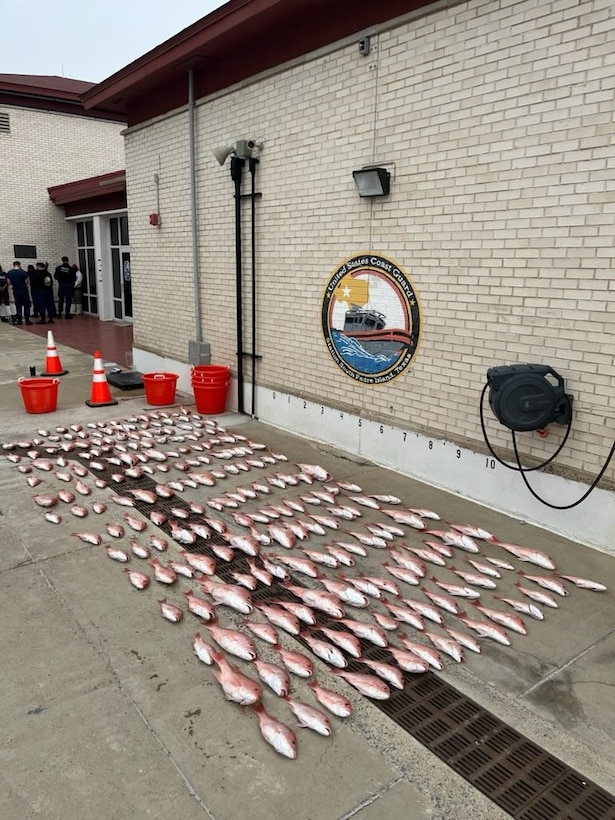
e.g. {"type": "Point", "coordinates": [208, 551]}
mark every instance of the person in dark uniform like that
{"type": "Point", "coordinates": [41, 286]}
{"type": "Point", "coordinates": [19, 282]}
{"type": "Point", "coordinates": [5, 311]}
{"type": "Point", "coordinates": [65, 277]}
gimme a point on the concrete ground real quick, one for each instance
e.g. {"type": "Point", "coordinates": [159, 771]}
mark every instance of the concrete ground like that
{"type": "Point", "coordinates": [108, 714]}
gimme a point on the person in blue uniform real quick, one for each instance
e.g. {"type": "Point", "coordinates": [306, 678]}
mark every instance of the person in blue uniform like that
{"type": "Point", "coordinates": [19, 282]}
{"type": "Point", "coordinates": [65, 277]}
{"type": "Point", "coordinates": [41, 285]}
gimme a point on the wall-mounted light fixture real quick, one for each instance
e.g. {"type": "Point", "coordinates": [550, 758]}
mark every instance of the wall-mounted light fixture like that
{"type": "Point", "coordinates": [374, 181]}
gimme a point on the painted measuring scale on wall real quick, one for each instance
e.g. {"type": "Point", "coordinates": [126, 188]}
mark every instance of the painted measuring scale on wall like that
{"type": "Point", "coordinates": [371, 318]}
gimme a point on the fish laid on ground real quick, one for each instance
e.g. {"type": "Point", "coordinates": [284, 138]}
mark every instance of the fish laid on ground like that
{"type": "Point", "coordinates": [233, 641]}
{"type": "Point", "coordinates": [427, 653]}
{"type": "Point", "coordinates": [275, 733]}
{"type": "Point", "coordinates": [295, 662]}
{"type": "Point", "coordinates": [497, 562]}
{"type": "Point", "coordinates": [138, 549]}
{"type": "Point", "coordinates": [315, 471]}
{"type": "Point", "coordinates": [294, 562]}
{"type": "Point", "coordinates": [82, 488]}
{"type": "Point", "coordinates": [78, 511]}
{"type": "Point", "coordinates": [203, 650]}
{"type": "Point", "coordinates": [391, 674]}
{"type": "Point", "coordinates": [426, 513]}
{"type": "Point", "coordinates": [115, 530]}
{"type": "Point", "coordinates": [429, 555]}
{"type": "Point", "coordinates": [299, 610]}
{"type": "Point", "coordinates": [403, 574]}
{"type": "Point", "coordinates": [549, 582]}
{"type": "Point", "coordinates": [336, 704]}
{"type": "Point", "coordinates": [584, 583]}
{"type": "Point", "coordinates": [117, 554]}
{"type": "Point", "coordinates": [199, 606]}
{"type": "Point", "coordinates": [369, 685]}
{"type": "Point", "coordinates": [403, 614]}
{"type": "Point", "coordinates": [244, 579]}
{"type": "Point", "coordinates": [147, 496]}
{"type": "Point", "coordinates": [309, 717]}
{"type": "Point", "coordinates": [263, 575]}
{"type": "Point", "coordinates": [409, 661]}
{"type": "Point", "coordinates": [139, 580]}
{"type": "Point", "coordinates": [365, 501]}
{"type": "Point", "coordinates": [317, 599]}
{"type": "Point", "coordinates": [445, 644]}
{"type": "Point", "coordinates": [476, 579]}
{"type": "Point", "coordinates": [366, 631]}
{"type": "Point", "coordinates": [89, 537]}
{"type": "Point", "coordinates": [507, 619]}
{"type": "Point", "coordinates": [406, 517]}
{"type": "Point", "coordinates": [486, 629]}
{"type": "Point", "coordinates": [324, 650]}
{"type": "Point", "coordinates": [538, 595]}
{"type": "Point", "coordinates": [266, 632]}
{"type": "Point", "coordinates": [473, 532]}
{"type": "Point", "coordinates": [236, 686]}
{"type": "Point", "coordinates": [122, 500]}
{"type": "Point", "coordinates": [53, 518]}
{"type": "Point", "coordinates": [280, 617]}
{"type": "Point", "coordinates": [363, 584]}
{"type": "Point", "coordinates": [533, 556]}
{"type": "Point", "coordinates": [276, 678]}
{"type": "Point", "coordinates": [485, 569]}
{"type": "Point", "coordinates": [238, 598]}
{"type": "Point", "coordinates": [341, 554]}
{"type": "Point", "coordinates": [523, 606]}
{"type": "Point", "coordinates": [407, 560]}
{"type": "Point", "coordinates": [66, 496]}
{"type": "Point", "coordinates": [386, 621]}
{"type": "Point", "coordinates": [202, 563]}
{"type": "Point", "coordinates": [456, 590]}
{"type": "Point", "coordinates": [324, 558]}
{"type": "Point", "coordinates": [136, 524]}
{"type": "Point", "coordinates": [349, 643]}
{"type": "Point", "coordinates": [46, 500]}
{"type": "Point", "coordinates": [424, 609]}
{"type": "Point", "coordinates": [162, 574]}
{"type": "Point", "coordinates": [345, 592]}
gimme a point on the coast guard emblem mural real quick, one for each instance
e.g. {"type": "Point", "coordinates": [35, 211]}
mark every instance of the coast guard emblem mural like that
{"type": "Point", "coordinates": [371, 319]}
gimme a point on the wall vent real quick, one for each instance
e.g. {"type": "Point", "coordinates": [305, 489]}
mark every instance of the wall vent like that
{"type": "Point", "coordinates": [5, 123]}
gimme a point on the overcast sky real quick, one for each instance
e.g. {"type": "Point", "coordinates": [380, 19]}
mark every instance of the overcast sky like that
{"type": "Point", "coordinates": [88, 39]}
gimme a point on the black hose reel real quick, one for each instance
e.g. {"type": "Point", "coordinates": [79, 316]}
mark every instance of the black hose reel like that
{"type": "Point", "coordinates": [522, 398]}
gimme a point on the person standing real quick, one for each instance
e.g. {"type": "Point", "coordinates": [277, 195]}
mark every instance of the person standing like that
{"type": "Point", "coordinates": [78, 292]}
{"type": "Point", "coordinates": [41, 285]}
{"type": "Point", "coordinates": [19, 282]}
{"type": "Point", "coordinates": [65, 277]}
{"type": "Point", "coordinates": [5, 311]}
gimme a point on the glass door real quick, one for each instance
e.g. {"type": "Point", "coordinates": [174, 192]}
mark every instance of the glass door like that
{"type": "Point", "coordinates": [87, 265]}
{"type": "Point", "coordinates": [120, 267]}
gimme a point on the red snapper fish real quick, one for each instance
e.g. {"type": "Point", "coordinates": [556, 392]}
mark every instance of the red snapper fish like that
{"type": "Point", "coordinates": [202, 563]}
{"type": "Point", "coordinates": [233, 641]}
{"type": "Point", "coordinates": [162, 574]}
{"type": "Point", "coordinates": [202, 649]}
{"type": "Point", "coordinates": [170, 611]}
{"type": "Point", "coordinates": [324, 650]}
{"type": "Point", "coordinates": [507, 619]}
{"type": "Point", "coordinates": [275, 733]}
{"type": "Point", "coordinates": [391, 674]}
{"type": "Point", "coordinates": [486, 629]}
{"type": "Point", "coordinates": [408, 661]}
{"type": "Point", "coordinates": [533, 556]}
{"type": "Point", "coordinates": [584, 583]}
{"type": "Point", "coordinates": [349, 643]}
{"type": "Point", "coordinates": [523, 606]}
{"type": "Point", "coordinates": [236, 686]}
{"type": "Point", "coordinates": [117, 554]}
{"type": "Point", "coordinates": [366, 631]}
{"type": "Point", "coordinates": [280, 617]}
{"type": "Point", "coordinates": [139, 580]}
{"type": "Point", "coordinates": [275, 677]}
{"type": "Point", "coordinates": [236, 597]}
{"type": "Point", "coordinates": [200, 607]}
{"type": "Point", "coordinates": [336, 704]}
{"type": "Point", "coordinates": [295, 662]}
{"type": "Point", "coordinates": [266, 632]}
{"type": "Point", "coordinates": [427, 653]}
{"type": "Point", "coordinates": [308, 716]}
{"type": "Point", "coordinates": [369, 685]}
{"type": "Point", "coordinates": [315, 471]}
{"type": "Point", "coordinates": [317, 599]}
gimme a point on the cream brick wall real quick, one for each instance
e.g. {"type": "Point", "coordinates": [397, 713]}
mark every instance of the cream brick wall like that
{"type": "Point", "coordinates": [44, 149]}
{"type": "Point", "coordinates": [498, 118]}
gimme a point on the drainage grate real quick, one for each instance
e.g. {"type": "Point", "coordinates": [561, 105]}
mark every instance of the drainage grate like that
{"type": "Point", "coordinates": [509, 769]}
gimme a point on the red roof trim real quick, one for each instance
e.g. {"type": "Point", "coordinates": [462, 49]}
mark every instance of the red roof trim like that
{"type": "Point", "coordinates": [235, 42]}
{"type": "Point", "coordinates": [89, 188]}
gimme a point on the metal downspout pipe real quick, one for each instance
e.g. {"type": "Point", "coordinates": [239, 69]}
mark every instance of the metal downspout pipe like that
{"type": "Point", "coordinates": [198, 334]}
{"type": "Point", "coordinates": [236, 173]}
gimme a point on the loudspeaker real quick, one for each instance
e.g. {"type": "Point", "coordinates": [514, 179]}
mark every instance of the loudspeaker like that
{"type": "Point", "coordinates": [222, 152]}
{"type": "Point", "coordinates": [523, 399]}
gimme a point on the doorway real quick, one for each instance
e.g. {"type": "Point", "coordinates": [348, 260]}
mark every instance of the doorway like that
{"type": "Point", "coordinates": [120, 268]}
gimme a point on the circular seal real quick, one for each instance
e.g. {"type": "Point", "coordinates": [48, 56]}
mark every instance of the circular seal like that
{"type": "Point", "coordinates": [371, 318]}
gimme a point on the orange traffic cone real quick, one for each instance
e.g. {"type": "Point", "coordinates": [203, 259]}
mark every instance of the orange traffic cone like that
{"type": "Point", "coordinates": [53, 366]}
{"type": "Point", "coordinates": [101, 395]}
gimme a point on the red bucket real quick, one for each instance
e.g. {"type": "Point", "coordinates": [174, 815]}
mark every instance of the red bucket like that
{"type": "Point", "coordinates": [39, 395]}
{"type": "Point", "coordinates": [160, 387]}
{"type": "Point", "coordinates": [211, 374]}
{"type": "Point", "coordinates": [210, 398]}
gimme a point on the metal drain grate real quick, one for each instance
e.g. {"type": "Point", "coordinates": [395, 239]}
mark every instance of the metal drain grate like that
{"type": "Point", "coordinates": [506, 767]}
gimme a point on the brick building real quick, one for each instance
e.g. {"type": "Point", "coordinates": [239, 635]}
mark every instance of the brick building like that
{"type": "Point", "coordinates": [491, 123]}
{"type": "Point", "coordinates": [48, 139]}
